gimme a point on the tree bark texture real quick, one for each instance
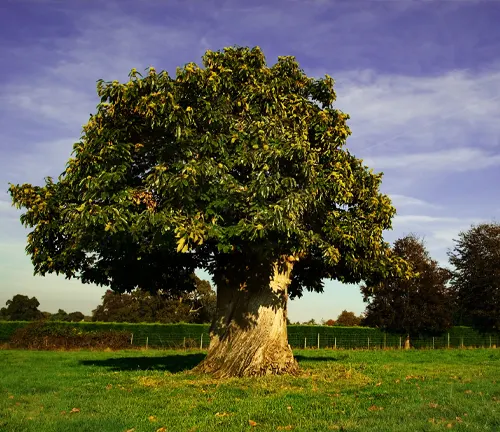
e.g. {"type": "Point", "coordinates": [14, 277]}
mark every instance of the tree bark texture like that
{"type": "Point", "coordinates": [249, 335]}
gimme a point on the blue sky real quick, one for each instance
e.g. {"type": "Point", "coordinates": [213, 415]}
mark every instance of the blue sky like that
{"type": "Point", "coordinates": [420, 79]}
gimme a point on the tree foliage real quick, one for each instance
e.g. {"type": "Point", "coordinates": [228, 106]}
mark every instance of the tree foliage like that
{"type": "Point", "coordinates": [348, 319]}
{"type": "Point", "coordinates": [21, 308]}
{"type": "Point", "coordinates": [476, 276]}
{"type": "Point", "coordinates": [423, 304]}
{"type": "Point", "coordinates": [141, 306]}
{"type": "Point", "coordinates": [220, 165]}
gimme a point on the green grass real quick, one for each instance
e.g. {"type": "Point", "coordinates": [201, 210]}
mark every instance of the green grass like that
{"type": "Point", "coordinates": [338, 390]}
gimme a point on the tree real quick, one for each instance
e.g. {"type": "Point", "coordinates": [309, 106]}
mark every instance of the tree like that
{"type": "Point", "coordinates": [348, 319]}
{"type": "Point", "coordinates": [234, 167]}
{"type": "Point", "coordinates": [75, 316]}
{"type": "Point", "coordinates": [142, 306]}
{"type": "Point", "coordinates": [476, 276]}
{"type": "Point", "coordinates": [22, 308]}
{"type": "Point", "coordinates": [422, 305]}
{"type": "Point", "coordinates": [329, 322]}
{"type": "Point", "coordinates": [60, 315]}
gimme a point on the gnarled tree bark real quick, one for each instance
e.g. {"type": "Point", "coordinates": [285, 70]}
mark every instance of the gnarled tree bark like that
{"type": "Point", "coordinates": [248, 335]}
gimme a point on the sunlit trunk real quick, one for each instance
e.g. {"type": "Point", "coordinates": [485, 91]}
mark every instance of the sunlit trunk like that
{"type": "Point", "coordinates": [249, 336]}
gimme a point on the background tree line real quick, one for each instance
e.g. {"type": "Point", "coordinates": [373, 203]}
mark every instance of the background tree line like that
{"type": "Point", "coordinates": [432, 302]}
{"type": "Point", "coordinates": [197, 306]}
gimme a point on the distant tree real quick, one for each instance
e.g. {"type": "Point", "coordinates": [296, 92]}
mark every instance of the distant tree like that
{"type": "Point", "coordinates": [46, 315]}
{"type": "Point", "coordinates": [330, 322]}
{"type": "Point", "coordinates": [476, 276]}
{"type": "Point", "coordinates": [60, 315]}
{"type": "Point", "coordinates": [197, 306]}
{"type": "Point", "coordinates": [348, 319]}
{"type": "Point", "coordinates": [22, 308]}
{"type": "Point", "coordinates": [422, 305]}
{"type": "Point", "coordinates": [310, 322]}
{"type": "Point", "coordinates": [75, 317]}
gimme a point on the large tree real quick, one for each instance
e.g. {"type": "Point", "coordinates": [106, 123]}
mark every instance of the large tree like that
{"type": "Point", "coordinates": [421, 305]}
{"type": "Point", "coordinates": [476, 276]}
{"type": "Point", "coordinates": [234, 167]}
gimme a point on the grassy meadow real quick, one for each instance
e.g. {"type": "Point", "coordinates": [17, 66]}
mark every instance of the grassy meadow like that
{"type": "Point", "coordinates": [338, 390]}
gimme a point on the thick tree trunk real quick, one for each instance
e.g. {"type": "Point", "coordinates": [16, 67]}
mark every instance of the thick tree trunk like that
{"type": "Point", "coordinates": [248, 335]}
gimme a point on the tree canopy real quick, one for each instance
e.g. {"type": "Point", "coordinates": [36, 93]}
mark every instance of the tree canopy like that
{"type": "Point", "coordinates": [476, 276]}
{"type": "Point", "coordinates": [21, 308]}
{"type": "Point", "coordinates": [235, 167]}
{"type": "Point", "coordinates": [421, 305]}
{"type": "Point", "coordinates": [348, 319]}
{"type": "Point", "coordinates": [229, 159]}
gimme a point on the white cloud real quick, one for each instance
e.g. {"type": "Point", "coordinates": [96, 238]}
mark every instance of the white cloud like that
{"type": "Point", "coordinates": [403, 201]}
{"type": "Point", "coordinates": [411, 113]}
{"type": "Point", "coordinates": [450, 160]}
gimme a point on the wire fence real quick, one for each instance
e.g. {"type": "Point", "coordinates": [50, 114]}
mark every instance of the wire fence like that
{"type": "Point", "coordinates": [383, 341]}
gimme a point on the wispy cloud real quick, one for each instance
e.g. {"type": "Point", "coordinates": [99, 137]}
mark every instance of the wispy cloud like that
{"type": "Point", "coordinates": [404, 201]}
{"type": "Point", "coordinates": [399, 114]}
{"type": "Point", "coordinates": [450, 160]}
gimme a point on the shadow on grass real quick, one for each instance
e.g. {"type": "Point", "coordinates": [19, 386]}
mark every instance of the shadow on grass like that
{"type": "Point", "coordinates": [301, 358]}
{"type": "Point", "coordinates": [171, 363]}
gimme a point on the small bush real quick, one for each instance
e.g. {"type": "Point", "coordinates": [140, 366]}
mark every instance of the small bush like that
{"type": "Point", "coordinates": [46, 335]}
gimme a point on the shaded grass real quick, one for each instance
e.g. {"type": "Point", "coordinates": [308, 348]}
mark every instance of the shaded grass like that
{"type": "Point", "coordinates": [337, 390]}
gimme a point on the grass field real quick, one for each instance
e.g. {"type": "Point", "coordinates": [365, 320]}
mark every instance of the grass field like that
{"type": "Point", "coordinates": [338, 390]}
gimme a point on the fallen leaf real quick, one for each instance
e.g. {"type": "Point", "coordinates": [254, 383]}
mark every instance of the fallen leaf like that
{"type": "Point", "coordinates": [222, 414]}
{"type": "Point", "coordinates": [397, 381]}
{"type": "Point", "coordinates": [449, 425]}
{"type": "Point", "coordinates": [289, 408]}
{"type": "Point", "coordinates": [11, 397]}
{"type": "Point", "coordinates": [375, 408]}
{"type": "Point", "coordinates": [468, 391]}
{"type": "Point", "coordinates": [252, 423]}
{"type": "Point", "coordinates": [63, 412]}
{"type": "Point", "coordinates": [130, 430]}
{"type": "Point", "coordinates": [289, 427]}
{"type": "Point", "coordinates": [75, 410]}
{"type": "Point", "coordinates": [459, 419]}
{"type": "Point", "coordinates": [152, 418]}
{"type": "Point", "coordinates": [378, 384]}
{"type": "Point", "coordinates": [109, 386]}
{"type": "Point", "coordinates": [162, 429]}
{"type": "Point", "coordinates": [433, 405]}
